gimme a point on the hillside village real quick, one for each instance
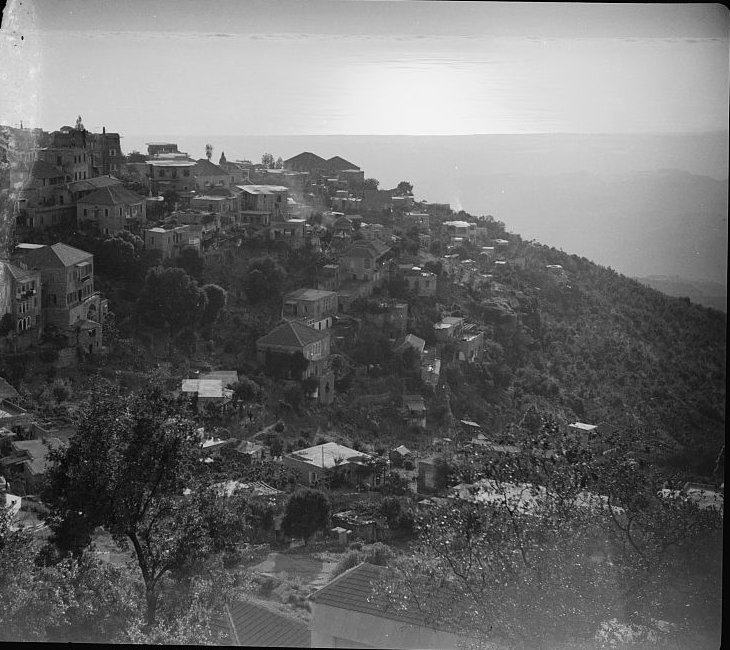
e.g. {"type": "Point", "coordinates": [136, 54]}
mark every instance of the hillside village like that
{"type": "Point", "coordinates": [334, 342]}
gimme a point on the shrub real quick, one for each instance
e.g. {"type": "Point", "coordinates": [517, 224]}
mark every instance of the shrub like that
{"type": "Point", "coordinates": [377, 553]}
{"type": "Point", "coordinates": [350, 560]}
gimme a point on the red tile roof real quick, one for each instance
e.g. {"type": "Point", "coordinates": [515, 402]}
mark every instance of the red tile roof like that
{"type": "Point", "coordinates": [249, 624]}
{"type": "Point", "coordinates": [292, 334]}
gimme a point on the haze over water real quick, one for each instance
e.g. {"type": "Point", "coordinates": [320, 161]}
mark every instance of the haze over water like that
{"type": "Point", "coordinates": [653, 79]}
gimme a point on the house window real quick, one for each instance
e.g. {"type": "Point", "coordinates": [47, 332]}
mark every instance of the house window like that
{"type": "Point", "coordinates": [106, 212]}
{"type": "Point", "coordinates": [85, 212]}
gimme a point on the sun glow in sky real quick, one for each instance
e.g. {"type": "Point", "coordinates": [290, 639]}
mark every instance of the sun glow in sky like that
{"type": "Point", "coordinates": [367, 67]}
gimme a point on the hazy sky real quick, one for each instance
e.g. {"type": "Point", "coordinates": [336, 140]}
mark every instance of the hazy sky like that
{"type": "Point", "coordinates": [350, 67]}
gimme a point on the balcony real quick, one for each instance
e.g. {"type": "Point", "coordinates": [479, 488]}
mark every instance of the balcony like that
{"type": "Point", "coordinates": [24, 295]}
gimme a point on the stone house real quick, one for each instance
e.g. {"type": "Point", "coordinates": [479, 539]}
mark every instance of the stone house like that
{"type": "Point", "coordinates": [296, 351]}
{"type": "Point", "coordinates": [20, 296]}
{"type": "Point", "coordinates": [415, 410]}
{"type": "Point", "coordinates": [171, 241]}
{"type": "Point", "coordinates": [111, 209]}
{"type": "Point", "coordinates": [67, 276]}
{"type": "Point", "coordinates": [315, 307]}
{"type": "Point", "coordinates": [325, 463]}
{"type": "Point", "coordinates": [25, 462]}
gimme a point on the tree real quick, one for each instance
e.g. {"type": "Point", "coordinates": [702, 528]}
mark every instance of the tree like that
{"type": "Point", "coordinates": [117, 256]}
{"type": "Point", "coordinates": [371, 184]}
{"type": "Point", "coordinates": [562, 544]}
{"type": "Point", "coordinates": [279, 163]}
{"type": "Point", "coordinates": [263, 280]}
{"type": "Point", "coordinates": [136, 157]}
{"type": "Point", "coordinates": [404, 188]}
{"type": "Point", "coordinates": [307, 511]}
{"type": "Point", "coordinates": [190, 260]}
{"type": "Point", "coordinates": [7, 324]}
{"type": "Point", "coordinates": [61, 390]}
{"type": "Point", "coordinates": [216, 300]}
{"type": "Point", "coordinates": [247, 390]}
{"type": "Point", "coordinates": [170, 297]}
{"type": "Point", "coordinates": [127, 469]}
{"type": "Point", "coordinates": [208, 151]}
{"type": "Point", "coordinates": [267, 160]}
{"type": "Point", "coordinates": [170, 200]}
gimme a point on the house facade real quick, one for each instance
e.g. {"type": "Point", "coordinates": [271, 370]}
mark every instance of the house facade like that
{"type": "Point", "coordinates": [20, 296]}
{"type": "Point", "coordinates": [296, 351]}
{"type": "Point", "coordinates": [315, 307]}
{"type": "Point", "coordinates": [172, 241]}
{"type": "Point", "coordinates": [67, 276]}
{"type": "Point", "coordinates": [365, 261]}
{"type": "Point", "coordinates": [170, 175]}
{"type": "Point", "coordinates": [111, 209]}
{"type": "Point", "coordinates": [322, 464]}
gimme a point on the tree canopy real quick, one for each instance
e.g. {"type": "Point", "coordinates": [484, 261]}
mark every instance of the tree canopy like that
{"type": "Point", "coordinates": [133, 468]}
{"type": "Point", "coordinates": [171, 297]}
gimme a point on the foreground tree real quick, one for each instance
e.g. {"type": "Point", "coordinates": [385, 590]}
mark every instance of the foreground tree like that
{"type": "Point", "coordinates": [134, 468]}
{"type": "Point", "coordinates": [541, 551]}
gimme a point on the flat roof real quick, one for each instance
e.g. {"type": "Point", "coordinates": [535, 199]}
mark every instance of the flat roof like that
{"type": "Point", "coordinates": [171, 162]}
{"type": "Point", "coordinates": [263, 189]}
{"type": "Point", "coordinates": [583, 426]}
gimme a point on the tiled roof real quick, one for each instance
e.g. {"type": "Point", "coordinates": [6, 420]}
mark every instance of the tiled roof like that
{"type": "Point", "coordinates": [17, 272]}
{"type": "Point", "coordinates": [206, 168]}
{"type": "Point", "coordinates": [336, 163]}
{"type": "Point", "coordinates": [413, 341]}
{"type": "Point", "coordinates": [355, 591]}
{"type": "Point", "coordinates": [292, 334]}
{"type": "Point", "coordinates": [306, 159]}
{"type": "Point", "coordinates": [7, 391]}
{"type": "Point", "coordinates": [90, 184]}
{"type": "Point", "coordinates": [38, 452]}
{"type": "Point", "coordinates": [359, 590]}
{"type": "Point", "coordinates": [112, 195]}
{"type": "Point", "coordinates": [56, 255]}
{"type": "Point", "coordinates": [308, 294]}
{"type": "Point", "coordinates": [253, 625]}
{"type": "Point", "coordinates": [328, 455]}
